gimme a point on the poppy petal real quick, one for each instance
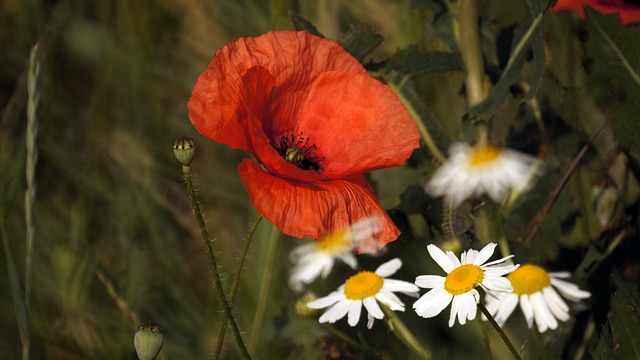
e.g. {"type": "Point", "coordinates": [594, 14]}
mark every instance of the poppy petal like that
{"type": "Point", "coordinates": [313, 209]}
{"type": "Point", "coordinates": [346, 108]}
{"type": "Point", "coordinates": [294, 59]}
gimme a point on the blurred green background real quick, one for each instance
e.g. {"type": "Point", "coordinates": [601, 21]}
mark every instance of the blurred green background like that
{"type": "Point", "coordinates": [115, 80]}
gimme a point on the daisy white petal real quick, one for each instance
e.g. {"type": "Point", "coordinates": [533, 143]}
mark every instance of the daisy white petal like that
{"type": "Point", "coordinates": [365, 288]}
{"type": "Point", "coordinates": [569, 290]}
{"type": "Point", "coordinates": [488, 169]}
{"type": "Point", "coordinates": [373, 308]}
{"type": "Point", "coordinates": [389, 268]}
{"type": "Point", "coordinates": [459, 286]}
{"type": "Point", "coordinates": [484, 254]}
{"type": "Point", "coordinates": [390, 300]}
{"type": "Point", "coordinates": [539, 293]}
{"type": "Point", "coordinates": [527, 309]}
{"type": "Point", "coordinates": [505, 306]}
{"type": "Point", "coordinates": [441, 258]}
{"type": "Point", "coordinates": [354, 312]}
{"type": "Point", "coordinates": [433, 302]}
{"type": "Point", "coordinates": [430, 281]}
{"type": "Point", "coordinates": [400, 286]}
{"type": "Point", "coordinates": [544, 318]}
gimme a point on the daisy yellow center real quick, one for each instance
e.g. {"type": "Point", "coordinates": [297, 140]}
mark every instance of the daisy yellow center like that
{"type": "Point", "coordinates": [463, 279]}
{"type": "Point", "coordinates": [482, 155]}
{"type": "Point", "coordinates": [362, 285]}
{"type": "Point", "coordinates": [529, 279]}
{"type": "Point", "coordinates": [335, 242]}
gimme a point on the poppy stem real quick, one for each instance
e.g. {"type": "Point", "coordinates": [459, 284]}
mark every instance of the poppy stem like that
{"type": "Point", "coordinates": [186, 171]}
{"type": "Point", "coordinates": [261, 306]}
{"type": "Point", "coordinates": [234, 286]}
{"type": "Point", "coordinates": [401, 331]}
{"type": "Point", "coordinates": [501, 332]}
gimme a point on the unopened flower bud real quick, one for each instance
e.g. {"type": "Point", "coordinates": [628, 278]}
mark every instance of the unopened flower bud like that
{"type": "Point", "coordinates": [148, 341]}
{"type": "Point", "coordinates": [184, 149]}
{"type": "Point", "coordinates": [301, 305]}
{"type": "Point", "coordinates": [606, 200]}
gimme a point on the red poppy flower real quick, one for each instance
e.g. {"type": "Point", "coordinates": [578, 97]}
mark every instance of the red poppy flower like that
{"type": "Point", "coordinates": [629, 11]}
{"type": "Point", "coordinates": [315, 122]}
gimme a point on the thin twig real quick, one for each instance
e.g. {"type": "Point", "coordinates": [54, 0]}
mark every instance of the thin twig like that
{"type": "Point", "coordinates": [234, 287]}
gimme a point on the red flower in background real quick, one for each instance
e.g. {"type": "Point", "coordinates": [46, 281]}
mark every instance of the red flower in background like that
{"type": "Point", "coordinates": [629, 11]}
{"type": "Point", "coordinates": [314, 120]}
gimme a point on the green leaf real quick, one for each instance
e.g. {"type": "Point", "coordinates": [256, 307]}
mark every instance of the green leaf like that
{"type": "Point", "coordinates": [625, 319]}
{"type": "Point", "coordinates": [529, 36]}
{"type": "Point", "coordinates": [360, 42]}
{"type": "Point", "coordinates": [615, 50]}
{"type": "Point", "coordinates": [435, 139]}
{"type": "Point", "coordinates": [627, 127]}
{"type": "Point", "coordinates": [301, 24]}
{"type": "Point", "coordinates": [413, 62]}
{"type": "Point", "coordinates": [602, 349]}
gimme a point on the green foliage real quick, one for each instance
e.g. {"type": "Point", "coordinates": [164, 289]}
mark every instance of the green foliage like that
{"type": "Point", "coordinates": [116, 243]}
{"type": "Point", "coordinates": [621, 342]}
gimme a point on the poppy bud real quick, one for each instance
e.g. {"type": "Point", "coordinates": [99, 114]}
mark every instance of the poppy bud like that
{"type": "Point", "coordinates": [301, 305]}
{"type": "Point", "coordinates": [606, 200]}
{"type": "Point", "coordinates": [184, 150]}
{"type": "Point", "coordinates": [148, 341]}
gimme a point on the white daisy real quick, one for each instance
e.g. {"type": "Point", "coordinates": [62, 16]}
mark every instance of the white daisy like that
{"type": "Point", "coordinates": [478, 170]}
{"type": "Point", "coordinates": [535, 290]}
{"type": "Point", "coordinates": [365, 288]}
{"type": "Point", "coordinates": [458, 287]}
{"type": "Point", "coordinates": [318, 257]}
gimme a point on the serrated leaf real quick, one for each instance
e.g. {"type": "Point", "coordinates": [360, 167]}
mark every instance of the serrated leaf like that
{"type": "Point", "coordinates": [412, 62]}
{"type": "Point", "coordinates": [625, 319]}
{"type": "Point", "coordinates": [360, 42]}
{"type": "Point", "coordinates": [602, 349]}
{"type": "Point", "coordinates": [529, 36]}
{"type": "Point", "coordinates": [301, 24]}
{"type": "Point", "coordinates": [616, 52]}
{"type": "Point", "coordinates": [627, 127]}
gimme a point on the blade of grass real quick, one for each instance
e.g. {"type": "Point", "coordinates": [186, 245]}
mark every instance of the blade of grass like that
{"type": "Point", "coordinates": [30, 168]}
{"type": "Point", "coordinates": [19, 305]}
{"type": "Point", "coordinates": [265, 287]}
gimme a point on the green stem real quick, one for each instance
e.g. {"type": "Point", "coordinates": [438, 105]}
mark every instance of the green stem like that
{"type": "Point", "coordinates": [258, 319]}
{"type": "Point", "coordinates": [503, 243]}
{"type": "Point", "coordinates": [186, 170]}
{"type": "Point", "coordinates": [422, 128]}
{"type": "Point", "coordinates": [234, 286]}
{"type": "Point", "coordinates": [473, 63]}
{"type": "Point", "coordinates": [501, 332]}
{"type": "Point", "coordinates": [401, 331]}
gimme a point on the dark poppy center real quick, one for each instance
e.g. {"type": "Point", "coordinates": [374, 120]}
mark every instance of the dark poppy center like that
{"type": "Point", "coordinates": [296, 149]}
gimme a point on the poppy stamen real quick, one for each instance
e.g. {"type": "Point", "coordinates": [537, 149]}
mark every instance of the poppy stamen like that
{"type": "Point", "coordinates": [295, 149]}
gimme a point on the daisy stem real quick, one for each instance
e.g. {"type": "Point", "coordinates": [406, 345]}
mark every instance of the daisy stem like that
{"type": "Point", "coordinates": [472, 56]}
{"type": "Point", "coordinates": [186, 171]}
{"type": "Point", "coordinates": [258, 319]}
{"type": "Point", "coordinates": [401, 331]}
{"type": "Point", "coordinates": [234, 286]}
{"type": "Point", "coordinates": [349, 340]}
{"type": "Point", "coordinates": [502, 334]}
{"type": "Point", "coordinates": [504, 246]}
